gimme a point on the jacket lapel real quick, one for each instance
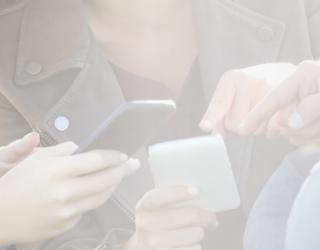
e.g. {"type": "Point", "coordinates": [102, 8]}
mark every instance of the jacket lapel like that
{"type": "Point", "coordinates": [47, 27]}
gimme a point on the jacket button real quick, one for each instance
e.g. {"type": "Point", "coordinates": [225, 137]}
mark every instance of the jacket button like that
{"type": "Point", "coordinates": [62, 123]}
{"type": "Point", "coordinates": [33, 68]}
{"type": "Point", "coordinates": [265, 34]}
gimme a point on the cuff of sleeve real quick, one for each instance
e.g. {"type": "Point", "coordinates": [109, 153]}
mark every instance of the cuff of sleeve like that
{"type": "Point", "coordinates": [115, 239]}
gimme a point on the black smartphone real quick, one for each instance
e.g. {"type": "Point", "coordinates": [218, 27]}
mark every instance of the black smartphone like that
{"type": "Point", "coordinates": [130, 126]}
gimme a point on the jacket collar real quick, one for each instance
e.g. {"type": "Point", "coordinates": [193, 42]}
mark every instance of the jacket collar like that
{"type": "Point", "coordinates": [54, 37]}
{"type": "Point", "coordinates": [239, 33]}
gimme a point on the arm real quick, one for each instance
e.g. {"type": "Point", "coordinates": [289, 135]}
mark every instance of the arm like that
{"type": "Point", "coordinates": [267, 223]}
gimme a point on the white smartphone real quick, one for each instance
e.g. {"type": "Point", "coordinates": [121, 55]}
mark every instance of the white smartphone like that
{"type": "Point", "coordinates": [200, 162]}
{"type": "Point", "coordinates": [130, 126]}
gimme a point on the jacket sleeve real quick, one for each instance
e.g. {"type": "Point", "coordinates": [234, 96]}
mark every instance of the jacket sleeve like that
{"type": "Point", "coordinates": [267, 223]}
{"type": "Point", "coordinates": [303, 226]}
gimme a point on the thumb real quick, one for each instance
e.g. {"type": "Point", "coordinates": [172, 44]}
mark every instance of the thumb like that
{"type": "Point", "coordinates": [306, 112]}
{"type": "Point", "coordinates": [19, 149]}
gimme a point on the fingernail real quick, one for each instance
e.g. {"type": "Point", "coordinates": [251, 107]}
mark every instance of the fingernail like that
{"type": "Point", "coordinates": [295, 121]}
{"type": "Point", "coordinates": [206, 126]}
{"type": "Point", "coordinates": [193, 191]}
{"type": "Point", "coordinates": [133, 164]}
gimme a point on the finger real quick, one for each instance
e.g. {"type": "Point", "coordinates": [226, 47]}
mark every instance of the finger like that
{"type": "Point", "coordinates": [19, 149]}
{"type": "Point", "coordinates": [277, 99]}
{"type": "Point", "coordinates": [92, 202]}
{"type": "Point", "coordinates": [163, 197]}
{"type": "Point", "coordinates": [172, 219]}
{"type": "Point", "coordinates": [91, 162]}
{"type": "Point", "coordinates": [261, 130]}
{"type": "Point", "coordinates": [220, 105]}
{"type": "Point", "coordinates": [240, 108]}
{"type": "Point", "coordinates": [176, 239]}
{"type": "Point", "coordinates": [310, 132]}
{"type": "Point", "coordinates": [100, 181]}
{"type": "Point", "coordinates": [63, 149]}
{"type": "Point", "coordinates": [306, 112]}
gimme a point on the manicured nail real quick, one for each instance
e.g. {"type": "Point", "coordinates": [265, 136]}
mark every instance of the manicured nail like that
{"type": "Point", "coordinates": [133, 164]}
{"type": "Point", "coordinates": [206, 126]}
{"type": "Point", "coordinates": [193, 191]}
{"type": "Point", "coordinates": [295, 121]}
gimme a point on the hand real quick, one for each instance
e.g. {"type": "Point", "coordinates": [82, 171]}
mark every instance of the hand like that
{"type": "Point", "coordinates": [47, 193]}
{"type": "Point", "coordinates": [296, 103]}
{"type": "Point", "coordinates": [238, 92]}
{"type": "Point", "coordinates": [16, 151]}
{"type": "Point", "coordinates": [162, 224]}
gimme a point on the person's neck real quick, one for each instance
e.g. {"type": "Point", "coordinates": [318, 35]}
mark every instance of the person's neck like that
{"type": "Point", "coordinates": [135, 16]}
{"type": "Point", "coordinates": [148, 37]}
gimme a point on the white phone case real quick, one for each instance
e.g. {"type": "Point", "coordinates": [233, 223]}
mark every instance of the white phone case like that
{"type": "Point", "coordinates": [200, 162]}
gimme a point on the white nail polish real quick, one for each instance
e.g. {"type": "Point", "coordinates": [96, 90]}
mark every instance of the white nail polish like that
{"type": "Point", "coordinates": [133, 164]}
{"type": "Point", "coordinates": [295, 121]}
